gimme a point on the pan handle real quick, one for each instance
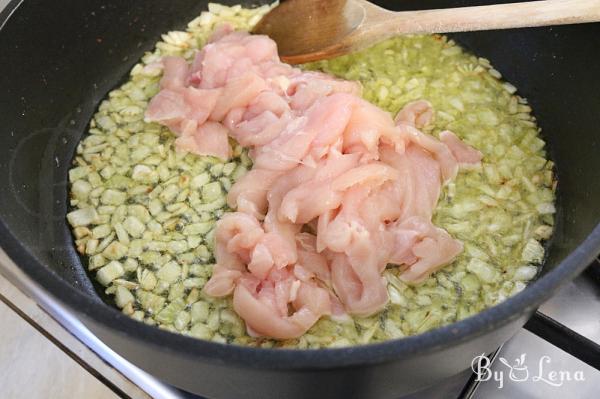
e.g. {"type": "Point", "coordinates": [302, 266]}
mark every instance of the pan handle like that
{"type": "Point", "coordinates": [566, 339]}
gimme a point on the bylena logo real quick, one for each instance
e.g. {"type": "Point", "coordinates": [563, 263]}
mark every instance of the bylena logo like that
{"type": "Point", "coordinates": [519, 371]}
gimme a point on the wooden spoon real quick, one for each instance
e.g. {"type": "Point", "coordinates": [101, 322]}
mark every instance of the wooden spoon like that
{"type": "Point", "coordinates": [309, 30]}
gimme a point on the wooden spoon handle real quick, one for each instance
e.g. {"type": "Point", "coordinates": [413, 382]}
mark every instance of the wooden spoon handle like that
{"type": "Point", "coordinates": [499, 16]}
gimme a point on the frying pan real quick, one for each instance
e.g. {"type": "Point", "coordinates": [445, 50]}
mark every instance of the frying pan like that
{"type": "Point", "coordinates": [59, 59]}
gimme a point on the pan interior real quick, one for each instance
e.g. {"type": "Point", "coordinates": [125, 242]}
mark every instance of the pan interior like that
{"type": "Point", "coordinates": [56, 68]}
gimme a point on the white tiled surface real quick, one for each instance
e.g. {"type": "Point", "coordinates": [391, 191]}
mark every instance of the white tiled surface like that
{"type": "Point", "coordinates": [32, 367]}
{"type": "Point", "coordinates": [28, 357]}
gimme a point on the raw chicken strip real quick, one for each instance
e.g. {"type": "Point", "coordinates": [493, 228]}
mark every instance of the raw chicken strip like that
{"type": "Point", "coordinates": [321, 125]}
{"type": "Point", "coordinates": [417, 190]}
{"type": "Point", "coordinates": [361, 256]}
{"type": "Point", "coordinates": [175, 73]}
{"type": "Point", "coordinates": [442, 154]}
{"type": "Point", "coordinates": [310, 262]}
{"type": "Point", "coordinates": [238, 92]}
{"type": "Point", "coordinates": [424, 247]}
{"type": "Point", "coordinates": [237, 234]}
{"type": "Point", "coordinates": [168, 108]}
{"type": "Point", "coordinates": [249, 193]}
{"type": "Point", "coordinates": [417, 113]}
{"type": "Point", "coordinates": [463, 153]}
{"type": "Point", "coordinates": [259, 310]}
{"type": "Point", "coordinates": [211, 139]}
{"type": "Point", "coordinates": [312, 198]}
{"type": "Point", "coordinates": [308, 87]}
{"type": "Point", "coordinates": [366, 128]}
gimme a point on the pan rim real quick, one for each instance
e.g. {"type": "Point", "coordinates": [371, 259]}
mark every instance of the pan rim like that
{"type": "Point", "coordinates": [84, 306]}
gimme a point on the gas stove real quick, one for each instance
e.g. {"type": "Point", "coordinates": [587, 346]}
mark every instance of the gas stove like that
{"type": "Point", "coordinates": [556, 354]}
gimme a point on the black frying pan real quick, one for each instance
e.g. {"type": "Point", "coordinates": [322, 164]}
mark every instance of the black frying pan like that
{"type": "Point", "coordinates": [59, 59]}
